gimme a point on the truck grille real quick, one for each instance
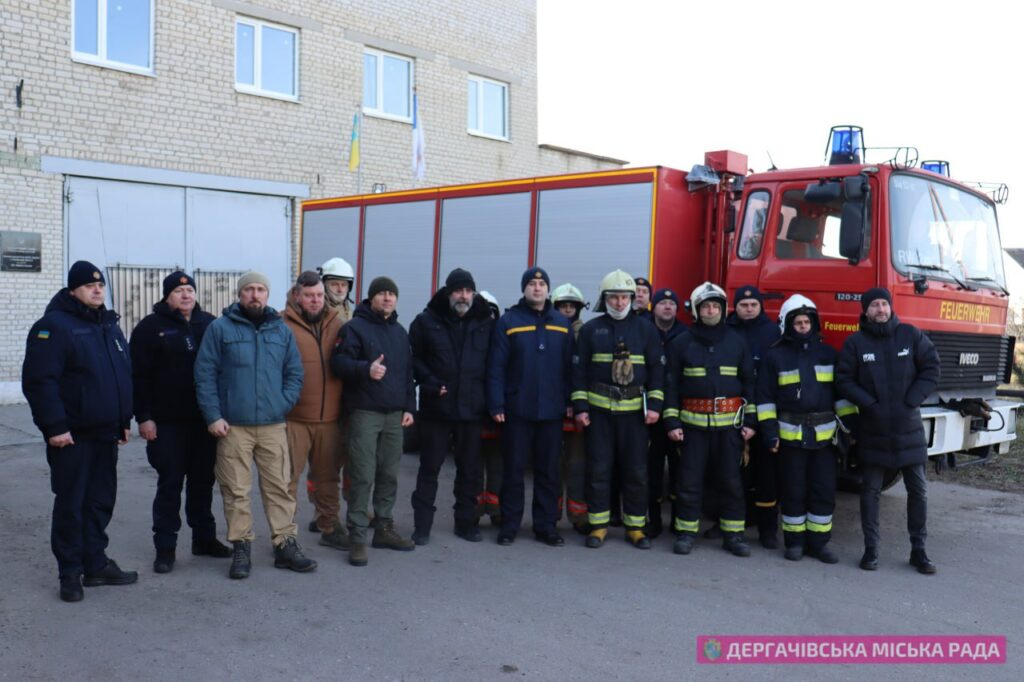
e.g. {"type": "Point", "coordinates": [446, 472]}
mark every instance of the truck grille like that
{"type": "Point", "coordinates": [970, 360]}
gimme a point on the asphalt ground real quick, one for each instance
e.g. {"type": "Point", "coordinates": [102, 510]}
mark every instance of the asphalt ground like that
{"type": "Point", "coordinates": [459, 611]}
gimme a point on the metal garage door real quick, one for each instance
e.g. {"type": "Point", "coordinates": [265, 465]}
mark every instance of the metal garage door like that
{"type": "Point", "coordinates": [138, 232]}
{"type": "Point", "coordinates": [330, 233]}
{"type": "Point", "coordinates": [399, 243]}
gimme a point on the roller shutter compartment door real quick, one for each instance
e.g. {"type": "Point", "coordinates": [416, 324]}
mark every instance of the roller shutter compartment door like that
{"type": "Point", "coordinates": [583, 233]}
{"type": "Point", "coordinates": [399, 243]}
{"type": "Point", "coordinates": [330, 233]}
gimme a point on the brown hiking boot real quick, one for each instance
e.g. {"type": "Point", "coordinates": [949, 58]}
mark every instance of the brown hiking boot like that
{"type": "Point", "coordinates": [386, 537]}
{"type": "Point", "coordinates": [357, 554]}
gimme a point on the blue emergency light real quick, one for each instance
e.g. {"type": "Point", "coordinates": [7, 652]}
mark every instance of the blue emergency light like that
{"type": "Point", "coordinates": [845, 145]}
{"type": "Point", "coordinates": [937, 167]}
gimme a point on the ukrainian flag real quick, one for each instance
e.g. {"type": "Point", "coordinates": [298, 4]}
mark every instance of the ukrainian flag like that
{"type": "Point", "coordinates": [353, 154]}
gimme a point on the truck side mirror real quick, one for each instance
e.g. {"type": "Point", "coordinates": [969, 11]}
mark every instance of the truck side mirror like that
{"type": "Point", "coordinates": [854, 222]}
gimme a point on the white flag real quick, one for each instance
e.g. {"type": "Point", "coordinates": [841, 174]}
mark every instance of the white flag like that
{"type": "Point", "coordinates": [419, 163]}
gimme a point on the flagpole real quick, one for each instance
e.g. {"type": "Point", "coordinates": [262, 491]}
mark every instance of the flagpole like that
{"type": "Point", "coordinates": [359, 168]}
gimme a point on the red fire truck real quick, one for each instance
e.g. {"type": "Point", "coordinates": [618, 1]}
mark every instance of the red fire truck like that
{"type": "Point", "coordinates": [828, 232]}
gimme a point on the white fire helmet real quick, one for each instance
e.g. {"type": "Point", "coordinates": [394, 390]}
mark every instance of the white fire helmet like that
{"type": "Point", "coordinates": [615, 282]}
{"type": "Point", "coordinates": [797, 304]}
{"type": "Point", "coordinates": [567, 292]}
{"type": "Point", "coordinates": [707, 292]}
{"type": "Point", "coordinates": [492, 302]}
{"type": "Point", "coordinates": [337, 268]}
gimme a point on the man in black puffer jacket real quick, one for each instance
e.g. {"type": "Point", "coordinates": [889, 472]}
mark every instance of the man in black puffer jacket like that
{"type": "Point", "coordinates": [373, 359]}
{"type": "Point", "coordinates": [887, 369]}
{"type": "Point", "coordinates": [77, 379]}
{"type": "Point", "coordinates": [450, 339]}
{"type": "Point", "coordinates": [163, 350]}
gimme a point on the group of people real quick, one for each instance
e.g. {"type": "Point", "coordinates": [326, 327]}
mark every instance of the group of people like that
{"type": "Point", "coordinates": [733, 403]}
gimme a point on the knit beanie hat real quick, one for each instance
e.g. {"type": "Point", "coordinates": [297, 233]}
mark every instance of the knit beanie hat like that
{"type": "Point", "coordinates": [872, 294]}
{"type": "Point", "coordinates": [459, 279]}
{"type": "Point", "coordinates": [749, 291]}
{"type": "Point", "coordinates": [662, 295]}
{"type": "Point", "coordinates": [253, 277]}
{"type": "Point", "coordinates": [84, 272]}
{"type": "Point", "coordinates": [532, 274]}
{"type": "Point", "coordinates": [380, 284]}
{"type": "Point", "coordinates": [177, 279]}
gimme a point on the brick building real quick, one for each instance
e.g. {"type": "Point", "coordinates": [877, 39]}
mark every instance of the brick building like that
{"type": "Point", "coordinates": [151, 134]}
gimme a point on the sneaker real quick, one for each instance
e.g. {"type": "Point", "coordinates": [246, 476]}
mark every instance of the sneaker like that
{"type": "Point", "coordinates": [468, 532]}
{"type": "Point", "coordinates": [736, 545]}
{"type": "Point", "coordinates": [111, 574]}
{"type": "Point", "coordinates": [241, 560]}
{"type": "Point", "coordinates": [336, 539]}
{"type": "Point", "coordinates": [210, 547]}
{"type": "Point", "coordinates": [920, 561]}
{"type": "Point", "coordinates": [386, 537]}
{"type": "Point", "coordinates": [289, 555]}
{"type": "Point", "coordinates": [683, 544]}
{"type": "Point", "coordinates": [357, 554]}
{"type": "Point", "coordinates": [164, 562]}
{"type": "Point", "coordinates": [71, 588]}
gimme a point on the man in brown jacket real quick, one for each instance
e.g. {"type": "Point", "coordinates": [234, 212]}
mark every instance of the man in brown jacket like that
{"type": "Point", "coordinates": [313, 428]}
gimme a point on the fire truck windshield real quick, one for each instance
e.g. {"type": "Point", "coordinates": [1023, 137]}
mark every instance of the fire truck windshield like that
{"type": "Point", "coordinates": [944, 232]}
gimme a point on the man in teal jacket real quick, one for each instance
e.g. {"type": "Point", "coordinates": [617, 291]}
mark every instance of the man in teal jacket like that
{"type": "Point", "coordinates": [248, 376]}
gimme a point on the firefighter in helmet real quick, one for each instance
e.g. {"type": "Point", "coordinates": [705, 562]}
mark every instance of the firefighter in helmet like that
{"type": "Point", "coordinates": [710, 410]}
{"type": "Point", "coordinates": [338, 276]}
{"type": "Point", "coordinates": [568, 300]}
{"type": "Point", "coordinates": [618, 370]}
{"type": "Point", "coordinates": [797, 410]}
{"type": "Point", "coordinates": [490, 450]}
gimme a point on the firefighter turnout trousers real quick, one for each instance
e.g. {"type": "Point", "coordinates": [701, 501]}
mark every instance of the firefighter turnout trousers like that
{"type": "Point", "coordinates": [721, 450]}
{"type": "Point", "coordinates": [808, 495]}
{"type": "Point", "coordinates": [623, 434]}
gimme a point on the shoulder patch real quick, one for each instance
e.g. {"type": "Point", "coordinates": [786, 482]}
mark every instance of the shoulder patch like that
{"type": "Point", "coordinates": [42, 334]}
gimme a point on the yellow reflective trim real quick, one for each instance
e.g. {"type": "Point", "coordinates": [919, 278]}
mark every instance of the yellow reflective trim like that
{"type": "Point", "coordinates": [656, 395]}
{"type": "Point", "coordinates": [728, 371]}
{"type": "Point", "coordinates": [556, 328]}
{"type": "Point", "coordinates": [670, 412]}
{"type": "Point", "coordinates": [845, 407]}
{"type": "Point", "coordinates": [633, 521]}
{"type": "Point", "coordinates": [601, 357]}
{"type": "Point", "coordinates": [824, 432]}
{"type": "Point", "coordinates": [695, 372]}
{"type": "Point", "coordinates": [599, 518]}
{"type": "Point", "coordinates": [520, 330]}
{"type": "Point", "coordinates": [790, 377]}
{"type": "Point", "coordinates": [749, 409]}
{"type": "Point", "coordinates": [687, 526]}
{"type": "Point", "coordinates": [766, 411]}
{"type": "Point", "coordinates": [819, 527]}
{"type": "Point", "coordinates": [765, 505]}
{"type": "Point", "coordinates": [638, 359]}
{"type": "Point", "coordinates": [793, 528]}
{"type": "Point", "coordinates": [706, 420]}
{"type": "Point", "coordinates": [601, 401]}
{"type": "Point", "coordinates": [790, 431]}
{"type": "Point", "coordinates": [824, 372]}
{"type": "Point", "coordinates": [578, 395]}
{"type": "Point", "coordinates": [732, 525]}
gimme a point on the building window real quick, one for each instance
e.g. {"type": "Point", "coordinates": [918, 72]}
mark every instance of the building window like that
{"type": "Point", "coordinates": [114, 33]}
{"type": "Point", "coordinates": [266, 59]}
{"type": "Point", "coordinates": [387, 85]}
{"type": "Point", "coordinates": [487, 111]}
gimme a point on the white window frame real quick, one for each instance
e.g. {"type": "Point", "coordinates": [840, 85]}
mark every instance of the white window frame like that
{"type": "Point", "coordinates": [478, 81]}
{"type": "Point", "coordinates": [377, 111]}
{"type": "Point", "coordinates": [100, 59]}
{"type": "Point", "coordinates": [257, 66]}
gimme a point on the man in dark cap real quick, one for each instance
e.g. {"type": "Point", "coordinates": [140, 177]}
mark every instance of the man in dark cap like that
{"type": "Point", "coordinates": [888, 369]}
{"type": "Point", "coordinates": [77, 379]}
{"type": "Point", "coordinates": [642, 303]}
{"type": "Point", "coordinates": [372, 357]}
{"type": "Point", "coordinates": [163, 351]}
{"type": "Point", "coordinates": [527, 391]}
{"type": "Point", "coordinates": [762, 470]}
{"type": "Point", "coordinates": [450, 339]}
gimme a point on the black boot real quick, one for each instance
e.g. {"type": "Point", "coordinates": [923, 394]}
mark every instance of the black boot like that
{"type": "Point", "coordinates": [210, 547]}
{"type": "Point", "coordinates": [241, 560]}
{"type": "Point", "coordinates": [111, 574]}
{"type": "Point", "coordinates": [71, 587]}
{"type": "Point", "coordinates": [465, 530]}
{"type": "Point", "coordinates": [164, 562]}
{"type": "Point", "coordinates": [869, 562]}
{"type": "Point", "coordinates": [736, 545]}
{"type": "Point", "coordinates": [767, 525]}
{"type": "Point", "coordinates": [920, 561]}
{"type": "Point", "coordinates": [289, 555]}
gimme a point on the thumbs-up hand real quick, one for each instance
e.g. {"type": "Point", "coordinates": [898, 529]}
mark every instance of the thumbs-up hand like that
{"type": "Point", "coordinates": [377, 368]}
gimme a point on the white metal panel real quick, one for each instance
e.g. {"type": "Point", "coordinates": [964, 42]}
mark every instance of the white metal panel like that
{"type": "Point", "coordinates": [584, 233]}
{"type": "Point", "coordinates": [399, 243]}
{"type": "Point", "coordinates": [112, 222]}
{"type": "Point", "coordinates": [236, 231]}
{"type": "Point", "coordinates": [489, 236]}
{"type": "Point", "coordinates": [330, 233]}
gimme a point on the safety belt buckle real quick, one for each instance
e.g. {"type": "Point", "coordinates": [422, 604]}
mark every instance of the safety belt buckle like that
{"type": "Point", "coordinates": [715, 402]}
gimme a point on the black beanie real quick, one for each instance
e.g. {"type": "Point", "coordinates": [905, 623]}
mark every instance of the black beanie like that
{"type": "Point", "coordinates": [532, 274]}
{"type": "Point", "coordinates": [380, 284]}
{"type": "Point", "coordinates": [459, 279]}
{"type": "Point", "coordinates": [84, 272]}
{"type": "Point", "coordinates": [745, 292]}
{"type": "Point", "coordinates": [663, 295]}
{"type": "Point", "coordinates": [872, 294]}
{"type": "Point", "coordinates": [177, 279]}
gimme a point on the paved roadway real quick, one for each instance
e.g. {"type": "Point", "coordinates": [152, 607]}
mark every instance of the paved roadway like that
{"type": "Point", "coordinates": [459, 611]}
